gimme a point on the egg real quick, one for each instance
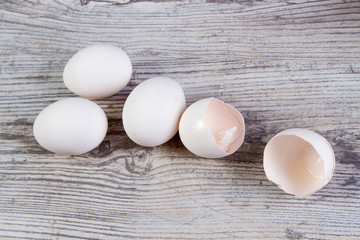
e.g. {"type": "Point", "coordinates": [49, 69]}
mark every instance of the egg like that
{"type": "Point", "coordinates": [97, 71]}
{"type": "Point", "coordinates": [211, 128]}
{"type": "Point", "coordinates": [152, 111]}
{"type": "Point", "coordinates": [299, 161]}
{"type": "Point", "coordinates": [70, 126]}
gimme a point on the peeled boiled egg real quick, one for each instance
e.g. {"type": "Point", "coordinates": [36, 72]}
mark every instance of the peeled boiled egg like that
{"type": "Point", "coordinates": [97, 71]}
{"type": "Point", "coordinates": [152, 111]}
{"type": "Point", "coordinates": [299, 161]}
{"type": "Point", "coordinates": [70, 126]}
{"type": "Point", "coordinates": [211, 128]}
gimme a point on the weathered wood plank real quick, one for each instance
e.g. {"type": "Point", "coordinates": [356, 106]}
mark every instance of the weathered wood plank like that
{"type": "Point", "coordinates": [283, 64]}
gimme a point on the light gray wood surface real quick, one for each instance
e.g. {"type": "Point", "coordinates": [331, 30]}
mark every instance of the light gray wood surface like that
{"type": "Point", "coordinates": [283, 64]}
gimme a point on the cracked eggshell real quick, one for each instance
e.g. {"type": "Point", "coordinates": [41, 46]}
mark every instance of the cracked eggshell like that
{"type": "Point", "coordinates": [97, 71]}
{"type": "Point", "coordinates": [70, 126]}
{"type": "Point", "coordinates": [299, 161]}
{"type": "Point", "coordinates": [211, 128]}
{"type": "Point", "coordinates": [152, 111]}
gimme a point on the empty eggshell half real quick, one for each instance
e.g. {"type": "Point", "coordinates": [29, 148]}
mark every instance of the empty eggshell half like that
{"type": "Point", "coordinates": [299, 161]}
{"type": "Point", "coordinates": [211, 128]}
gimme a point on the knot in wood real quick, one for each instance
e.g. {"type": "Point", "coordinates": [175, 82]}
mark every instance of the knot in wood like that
{"type": "Point", "coordinates": [139, 162]}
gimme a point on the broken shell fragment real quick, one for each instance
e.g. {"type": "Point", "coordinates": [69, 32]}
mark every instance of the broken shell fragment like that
{"type": "Point", "coordinates": [299, 161]}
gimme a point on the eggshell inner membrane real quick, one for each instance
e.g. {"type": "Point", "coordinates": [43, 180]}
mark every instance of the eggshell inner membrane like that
{"type": "Point", "coordinates": [294, 164]}
{"type": "Point", "coordinates": [226, 125]}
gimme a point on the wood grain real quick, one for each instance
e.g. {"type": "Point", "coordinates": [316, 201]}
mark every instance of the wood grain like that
{"type": "Point", "coordinates": [283, 64]}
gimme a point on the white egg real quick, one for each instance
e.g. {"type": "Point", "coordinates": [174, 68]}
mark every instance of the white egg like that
{"type": "Point", "coordinates": [70, 126]}
{"type": "Point", "coordinates": [299, 161]}
{"type": "Point", "coordinates": [98, 71]}
{"type": "Point", "coordinates": [211, 128]}
{"type": "Point", "coordinates": [152, 111]}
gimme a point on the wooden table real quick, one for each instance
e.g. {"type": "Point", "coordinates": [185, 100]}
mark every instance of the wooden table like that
{"type": "Point", "coordinates": [283, 64]}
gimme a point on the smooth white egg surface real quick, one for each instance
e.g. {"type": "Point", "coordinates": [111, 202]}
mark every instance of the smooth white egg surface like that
{"type": "Point", "coordinates": [211, 128]}
{"type": "Point", "coordinates": [152, 111]}
{"type": "Point", "coordinates": [70, 126]}
{"type": "Point", "coordinates": [98, 71]}
{"type": "Point", "coordinates": [299, 161]}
